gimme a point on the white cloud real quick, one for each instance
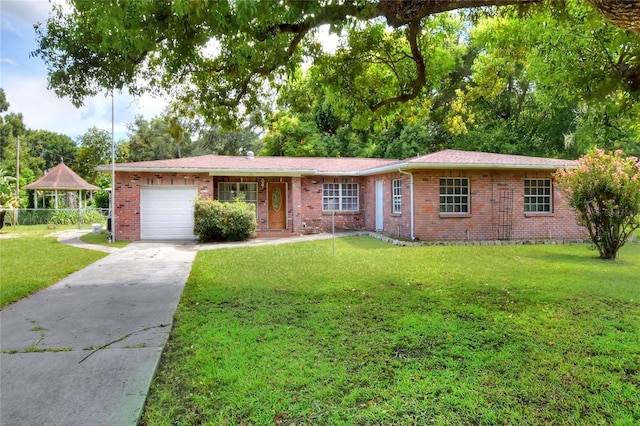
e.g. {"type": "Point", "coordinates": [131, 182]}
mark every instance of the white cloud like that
{"type": "Point", "coordinates": [9, 61]}
{"type": "Point", "coordinates": [24, 81]}
{"type": "Point", "coordinates": [25, 11]}
{"type": "Point", "coordinates": [43, 110]}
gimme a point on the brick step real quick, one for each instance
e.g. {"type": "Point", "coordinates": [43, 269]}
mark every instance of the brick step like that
{"type": "Point", "coordinates": [275, 234]}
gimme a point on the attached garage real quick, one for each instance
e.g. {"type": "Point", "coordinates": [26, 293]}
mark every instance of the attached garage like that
{"type": "Point", "coordinates": [166, 212]}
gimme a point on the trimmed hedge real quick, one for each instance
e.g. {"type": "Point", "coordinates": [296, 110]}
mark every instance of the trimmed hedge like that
{"type": "Point", "coordinates": [218, 221]}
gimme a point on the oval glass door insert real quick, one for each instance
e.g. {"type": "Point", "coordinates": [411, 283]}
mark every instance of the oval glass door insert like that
{"type": "Point", "coordinates": [276, 199]}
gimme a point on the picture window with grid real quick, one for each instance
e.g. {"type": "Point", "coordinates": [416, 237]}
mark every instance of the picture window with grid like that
{"type": "Point", "coordinates": [454, 195]}
{"type": "Point", "coordinates": [537, 195]}
{"type": "Point", "coordinates": [228, 191]}
{"type": "Point", "coordinates": [340, 197]}
{"type": "Point", "coordinates": [396, 186]}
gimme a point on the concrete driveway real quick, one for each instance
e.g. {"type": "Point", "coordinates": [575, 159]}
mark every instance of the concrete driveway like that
{"type": "Point", "coordinates": [84, 351]}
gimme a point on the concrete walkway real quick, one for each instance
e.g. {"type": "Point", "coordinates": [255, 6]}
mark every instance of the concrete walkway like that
{"type": "Point", "coordinates": [84, 351]}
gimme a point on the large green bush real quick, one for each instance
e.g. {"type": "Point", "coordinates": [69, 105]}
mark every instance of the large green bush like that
{"type": "Point", "coordinates": [218, 221]}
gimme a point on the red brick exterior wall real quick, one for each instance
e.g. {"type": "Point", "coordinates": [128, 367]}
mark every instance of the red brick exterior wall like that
{"type": "Point", "coordinates": [304, 201]}
{"type": "Point", "coordinates": [311, 214]}
{"type": "Point", "coordinates": [127, 196]}
{"type": "Point", "coordinates": [484, 219]}
{"type": "Point", "coordinates": [395, 224]}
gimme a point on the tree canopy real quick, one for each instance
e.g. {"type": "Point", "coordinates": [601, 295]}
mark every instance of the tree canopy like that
{"type": "Point", "coordinates": [220, 58]}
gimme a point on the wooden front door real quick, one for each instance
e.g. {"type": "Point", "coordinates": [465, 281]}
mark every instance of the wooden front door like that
{"type": "Point", "coordinates": [277, 205]}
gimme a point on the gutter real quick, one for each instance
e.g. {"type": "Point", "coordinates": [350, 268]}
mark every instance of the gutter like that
{"type": "Point", "coordinates": [413, 236]}
{"type": "Point", "coordinates": [488, 166]}
{"type": "Point", "coordinates": [462, 166]}
{"type": "Point", "coordinates": [216, 172]}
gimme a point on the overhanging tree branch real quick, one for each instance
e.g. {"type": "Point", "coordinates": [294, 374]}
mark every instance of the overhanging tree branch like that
{"type": "Point", "coordinates": [412, 37]}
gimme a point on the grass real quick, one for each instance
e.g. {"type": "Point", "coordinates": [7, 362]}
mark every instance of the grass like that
{"type": "Point", "coordinates": [378, 334]}
{"type": "Point", "coordinates": [101, 239]}
{"type": "Point", "coordinates": [30, 261]}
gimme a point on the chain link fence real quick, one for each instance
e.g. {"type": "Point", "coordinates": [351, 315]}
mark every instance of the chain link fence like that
{"type": "Point", "coordinates": [84, 218]}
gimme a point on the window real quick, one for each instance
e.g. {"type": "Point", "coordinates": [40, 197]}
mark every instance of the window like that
{"type": "Point", "coordinates": [537, 195]}
{"type": "Point", "coordinates": [396, 186]}
{"type": "Point", "coordinates": [340, 197]}
{"type": "Point", "coordinates": [454, 195]}
{"type": "Point", "coordinates": [228, 191]}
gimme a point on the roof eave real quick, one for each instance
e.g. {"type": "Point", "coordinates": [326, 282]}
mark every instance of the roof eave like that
{"type": "Point", "coordinates": [344, 174]}
{"type": "Point", "coordinates": [211, 172]}
{"type": "Point", "coordinates": [383, 169]}
{"type": "Point", "coordinates": [256, 173]}
{"type": "Point", "coordinates": [48, 188]}
{"type": "Point", "coordinates": [443, 166]}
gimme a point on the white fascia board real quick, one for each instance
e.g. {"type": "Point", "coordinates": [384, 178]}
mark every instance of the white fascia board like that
{"type": "Point", "coordinates": [449, 166]}
{"type": "Point", "coordinates": [255, 173]}
{"type": "Point", "coordinates": [153, 169]}
{"type": "Point", "coordinates": [345, 174]}
{"type": "Point", "coordinates": [384, 169]}
{"type": "Point", "coordinates": [229, 172]}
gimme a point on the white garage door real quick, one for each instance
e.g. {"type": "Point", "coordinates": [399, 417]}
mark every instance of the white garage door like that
{"type": "Point", "coordinates": [166, 212]}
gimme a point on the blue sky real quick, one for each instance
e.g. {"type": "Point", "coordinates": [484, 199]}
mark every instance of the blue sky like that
{"type": "Point", "coordinates": [24, 80]}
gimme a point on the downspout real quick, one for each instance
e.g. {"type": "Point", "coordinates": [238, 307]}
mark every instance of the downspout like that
{"type": "Point", "coordinates": [413, 236]}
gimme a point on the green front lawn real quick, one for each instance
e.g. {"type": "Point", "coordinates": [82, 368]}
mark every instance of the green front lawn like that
{"type": "Point", "coordinates": [102, 240]}
{"type": "Point", "coordinates": [29, 261]}
{"type": "Point", "coordinates": [377, 335]}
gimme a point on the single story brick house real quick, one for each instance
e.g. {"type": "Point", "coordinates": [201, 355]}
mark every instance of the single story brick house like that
{"type": "Point", "coordinates": [446, 195]}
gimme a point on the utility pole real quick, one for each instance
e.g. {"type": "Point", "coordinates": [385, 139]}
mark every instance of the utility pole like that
{"type": "Point", "coordinates": [18, 168]}
{"type": "Point", "coordinates": [112, 213]}
{"type": "Point", "coordinates": [15, 212]}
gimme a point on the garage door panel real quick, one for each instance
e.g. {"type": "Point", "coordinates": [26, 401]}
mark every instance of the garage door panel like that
{"type": "Point", "coordinates": [167, 212]}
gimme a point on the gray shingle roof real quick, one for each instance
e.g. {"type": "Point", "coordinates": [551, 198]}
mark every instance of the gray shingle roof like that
{"type": "Point", "coordinates": [450, 158]}
{"type": "Point", "coordinates": [301, 166]}
{"type": "Point", "coordinates": [281, 165]}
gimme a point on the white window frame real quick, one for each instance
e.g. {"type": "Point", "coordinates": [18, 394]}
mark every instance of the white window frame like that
{"type": "Point", "coordinates": [228, 191]}
{"type": "Point", "coordinates": [396, 196]}
{"type": "Point", "coordinates": [538, 195]}
{"type": "Point", "coordinates": [340, 197]}
{"type": "Point", "coordinates": [455, 197]}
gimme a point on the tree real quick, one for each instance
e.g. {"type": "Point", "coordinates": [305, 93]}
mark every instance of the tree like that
{"type": "Point", "coordinates": [7, 191]}
{"type": "Point", "coordinates": [102, 197]}
{"type": "Point", "coordinates": [94, 149]}
{"type": "Point", "coordinates": [149, 140]}
{"type": "Point", "coordinates": [7, 197]}
{"type": "Point", "coordinates": [51, 147]}
{"type": "Point", "coordinates": [13, 138]}
{"type": "Point", "coordinates": [215, 140]}
{"type": "Point", "coordinates": [290, 137]}
{"type": "Point", "coordinates": [211, 55]}
{"type": "Point", "coordinates": [11, 128]}
{"type": "Point", "coordinates": [158, 139]}
{"type": "Point", "coordinates": [547, 84]}
{"type": "Point", "coordinates": [604, 191]}
{"type": "Point", "coordinates": [4, 104]}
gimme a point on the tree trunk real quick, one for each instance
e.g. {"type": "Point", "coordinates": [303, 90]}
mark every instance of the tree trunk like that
{"type": "Point", "coordinates": [624, 14]}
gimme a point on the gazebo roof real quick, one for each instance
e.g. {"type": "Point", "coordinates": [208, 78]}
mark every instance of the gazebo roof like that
{"type": "Point", "coordinates": [62, 178]}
